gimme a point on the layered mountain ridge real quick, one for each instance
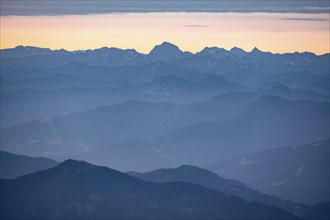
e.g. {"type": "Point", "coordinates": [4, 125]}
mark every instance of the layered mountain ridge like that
{"type": "Point", "coordinates": [257, 117]}
{"type": "Point", "coordinates": [65, 192]}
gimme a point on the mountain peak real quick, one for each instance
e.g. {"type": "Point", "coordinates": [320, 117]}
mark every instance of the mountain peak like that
{"type": "Point", "coordinates": [211, 50]}
{"type": "Point", "coordinates": [279, 86]}
{"type": "Point", "coordinates": [165, 51]}
{"type": "Point", "coordinates": [238, 52]}
{"type": "Point", "coordinates": [75, 164]}
{"type": "Point", "coordinates": [237, 49]}
{"type": "Point", "coordinates": [187, 167]}
{"type": "Point", "coordinates": [19, 47]}
{"type": "Point", "coordinates": [166, 43]}
{"type": "Point", "coordinates": [24, 51]}
{"type": "Point", "coordinates": [215, 52]}
{"type": "Point", "coordinates": [260, 54]}
{"type": "Point", "coordinates": [256, 50]}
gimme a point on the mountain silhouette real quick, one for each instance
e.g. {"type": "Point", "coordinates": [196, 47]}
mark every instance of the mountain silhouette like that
{"type": "Point", "coordinates": [203, 177]}
{"type": "Point", "coordinates": [76, 189]}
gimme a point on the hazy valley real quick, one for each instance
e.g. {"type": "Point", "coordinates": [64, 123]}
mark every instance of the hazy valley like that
{"type": "Point", "coordinates": [169, 134]}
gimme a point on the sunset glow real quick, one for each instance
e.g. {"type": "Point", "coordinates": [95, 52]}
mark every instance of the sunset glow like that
{"type": "Point", "coordinates": [190, 31]}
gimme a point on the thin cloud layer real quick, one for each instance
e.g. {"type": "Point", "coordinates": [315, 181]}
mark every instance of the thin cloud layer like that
{"type": "Point", "coordinates": [305, 19]}
{"type": "Point", "coordinates": [78, 7]}
{"type": "Point", "coordinates": [196, 26]}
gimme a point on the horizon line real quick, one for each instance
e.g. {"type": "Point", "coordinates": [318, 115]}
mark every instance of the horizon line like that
{"type": "Point", "coordinates": [196, 52]}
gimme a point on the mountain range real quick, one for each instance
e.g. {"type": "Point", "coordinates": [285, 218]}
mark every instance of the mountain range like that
{"type": "Point", "coordinates": [165, 74]}
{"type": "Point", "coordinates": [199, 128]}
{"type": "Point", "coordinates": [203, 177]}
{"type": "Point", "coordinates": [298, 172]}
{"type": "Point", "coordinates": [12, 165]}
{"type": "Point", "coordinates": [76, 189]}
{"type": "Point", "coordinates": [257, 121]}
{"type": "Point", "coordinates": [166, 88]}
{"type": "Point", "coordinates": [266, 123]}
{"type": "Point", "coordinates": [236, 60]}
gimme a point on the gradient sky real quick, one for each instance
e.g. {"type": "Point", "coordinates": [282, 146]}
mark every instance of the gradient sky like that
{"type": "Point", "coordinates": [276, 32]}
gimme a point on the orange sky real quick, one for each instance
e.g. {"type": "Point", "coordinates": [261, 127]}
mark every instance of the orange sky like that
{"type": "Point", "coordinates": [190, 31]}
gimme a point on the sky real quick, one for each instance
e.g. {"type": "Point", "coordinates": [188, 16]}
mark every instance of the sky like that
{"type": "Point", "coordinates": [70, 7]}
{"type": "Point", "coordinates": [278, 26]}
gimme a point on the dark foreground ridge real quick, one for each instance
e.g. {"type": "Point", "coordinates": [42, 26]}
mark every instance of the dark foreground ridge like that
{"type": "Point", "coordinates": [76, 189]}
